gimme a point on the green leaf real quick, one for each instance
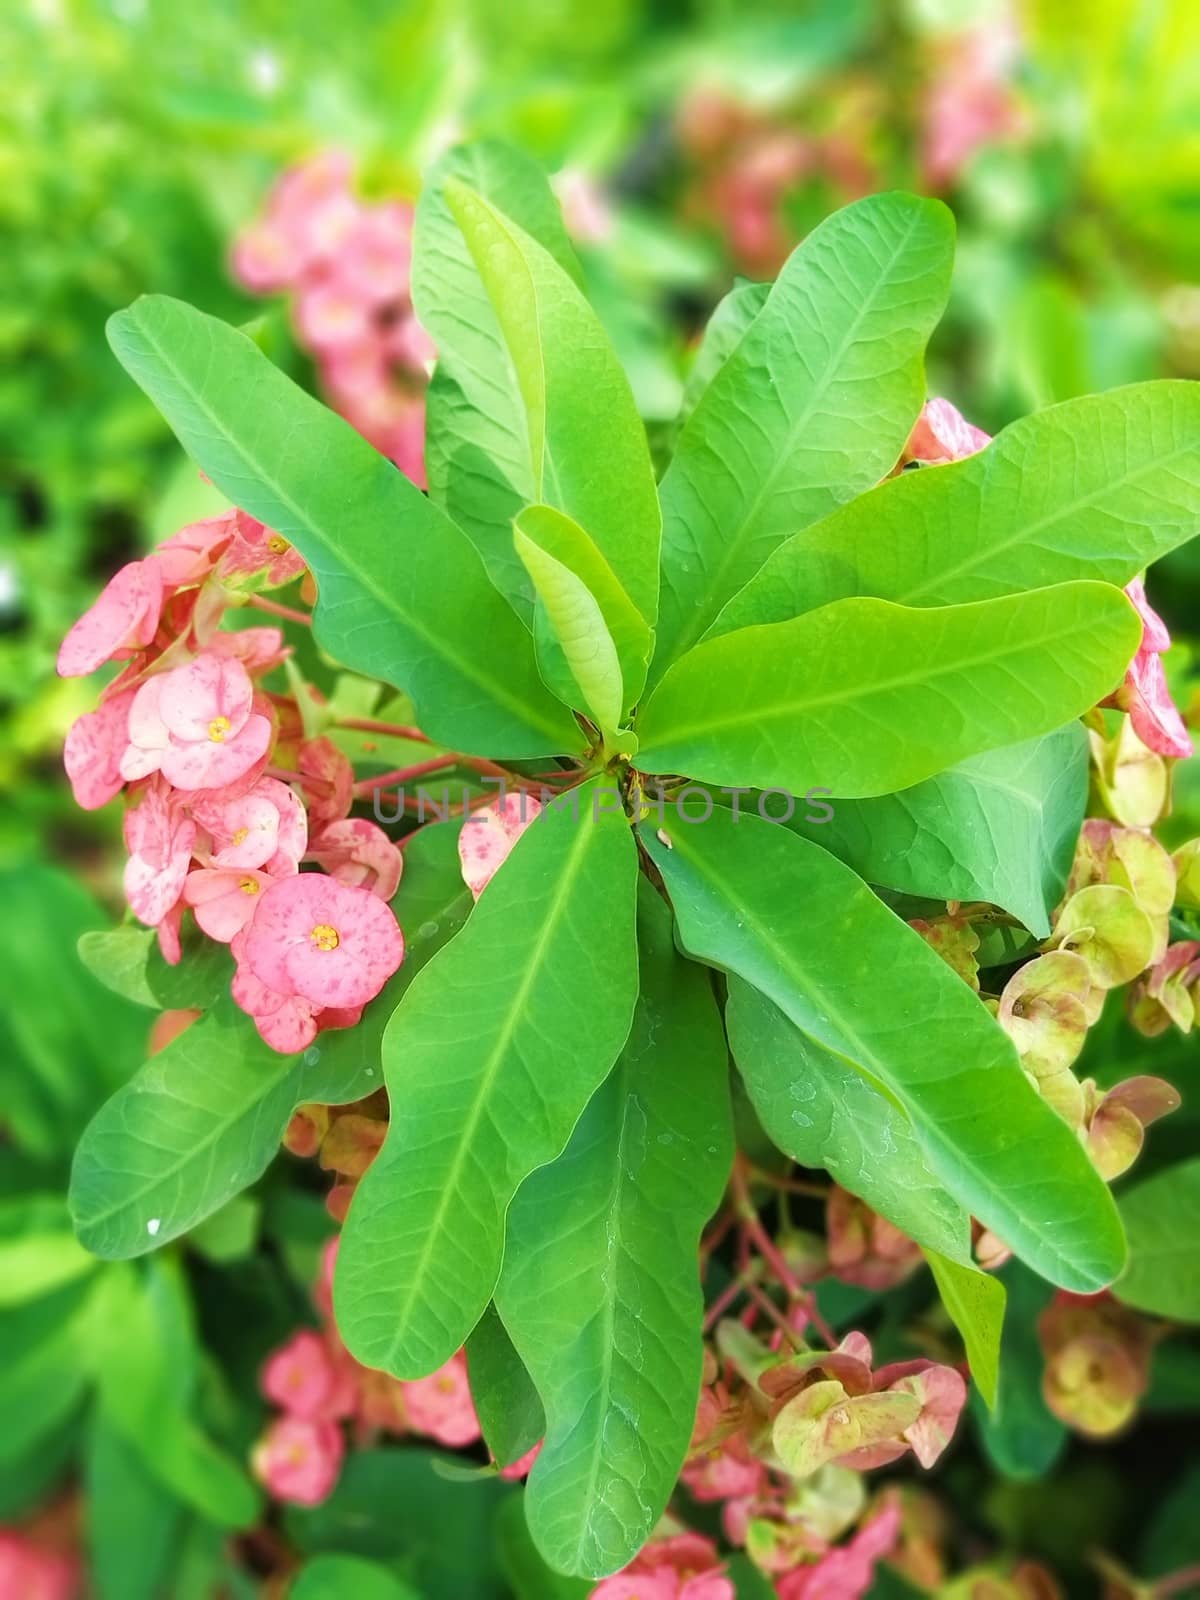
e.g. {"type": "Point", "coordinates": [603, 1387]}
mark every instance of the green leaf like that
{"type": "Point", "coordinates": [974, 1302]}
{"type": "Point", "coordinates": [811, 408]}
{"type": "Point", "coordinates": [722, 334]}
{"type": "Point", "coordinates": [600, 1291]}
{"type": "Point", "coordinates": [38, 1251]}
{"type": "Point", "coordinates": [1162, 1223]}
{"type": "Point", "coordinates": [133, 1519]}
{"type": "Point", "coordinates": [822, 1113]}
{"type": "Point", "coordinates": [1021, 1436]}
{"type": "Point", "coordinates": [334, 1577]}
{"type": "Point", "coordinates": [488, 1070]}
{"type": "Point", "coordinates": [1092, 488]}
{"type": "Point", "coordinates": [44, 1365]}
{"type": "Point", "coordinates": [587, 449]}
{"type": "Point", "coordinates": [403, 595]}
{"type": "Point", "coordinates": [999, 827]}
{"type": "Point", "coordinates": [522, 1563]}
{"type": "Point", "coordinates": [128, 961]}
{"type": "Point", "coordinates": [545, 535]}
{"type": "Point", "coordinates": [202, 1120]}
{"type": "Point", "coordinates": [575, 651]}
{"type": "Point", "coordinates": [506, 1402]}
{"type": "Point", "coordinates": [390, 1505]}
{"type": "Point", "coordinates": [476, 437]}
{"type": "Point", "coordinates": [864, 697]}
{"type": "Point", "coordinates": [759, 901]}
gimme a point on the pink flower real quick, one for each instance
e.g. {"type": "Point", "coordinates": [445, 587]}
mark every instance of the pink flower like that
{"type": "Point", "coordinates": [265, 827]}
{"type": "Point", "coordinates": [310, 214]}
{"type": "Point", "coordinates": [303, 1379]}
{"type": "Point", "coordinates": [224, 898]}
{"type": "Point", "coordinates": [159, 839]}
{"type": "Point", "coordinates": [684, 1567]}
{"type": "Point", "coordinates": [441, 1405]}
{"type": "Point", "coordinates": [122, 620]}
{"type": "Point", "coordinates": [299, 1460]}
{"type": "Point", "coordinates": [323, 1289]}
{"type": "Point", "coordinates": [631, 1585]}
{"type": "Point", "coordinates": [849, 1572]}
{"type": "Point", "coordinates": [355, 851]}
{"type": "Point", "coordinates": [726, 1473]}
{"type": "Point", "coordinates": [324, 941]}
{"type": "Point", "coordinates": [1144, 693]}
{"type": "Point", "coordinates": [489, 834]}
{"type": "Point", "coordinates": [258, 649]}
{"type": "Point", "coordinates": [30, 1572]}
{"type": "Point", "coordinates": [941, 433]}
{"type": "Point", "coordinates": [257, 549]}
{"type": "Point", "coordinates": [942, 1393]}
{"type": "Point", "coordinates": [196, 725]}
{"type": "Point", "coordinates": [331, 316]}
{"type": "Point", "coordinates": [188, 556]}
{"type": "Point", "coordinates": [286, 1022]}
{"type": "Point", "coordinates": [327, 782]}
{"type": "Point", "coordinates": [94, 746]}
{"type": "Point", "coordinates": [377, 258]}
{"type": "Point", "coordinates": [521, 1467]}
{"type": "Point", "coordinates": [971, 101]}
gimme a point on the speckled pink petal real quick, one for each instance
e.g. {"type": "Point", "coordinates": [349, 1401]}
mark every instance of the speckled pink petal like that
{"type": "Point", "coordinates": [148, 735]}
{"type": "Point", "coordinates": [159, 840]}
{"type": "Point", "coordinates": [355, 851]}
{"type": "Point", "coordinates": [326, 781]}
{"type": "Point", "coordinates": [188, 556]}
{"type": "Point", "coordinates": [206, 764]}
{"type": "Point", "coordinates": [488, 836]}
{"type": "Point", "coordinates": [333, 944]}
{"type": "Point", "coordinates": [1154, 715]}
{"type": "Point", "coordinates": [209, 687]}
{"type": "Point", "coordinates": [245, 830]}
{"type": "Point", "coordinates": [124, 618]}
{"type": "Point", "coordinates": [92, 753]}
{"type": "Point", "coordinates": [259, 649]}
{"type": "Point", "coordinates": [224, 901]}
{"type": "Point", "coordinates": [941, 433]}
{"type": "Point", "coordinates": [1154, 630]}
{"type": "Point", "coordinates": [170, 942]}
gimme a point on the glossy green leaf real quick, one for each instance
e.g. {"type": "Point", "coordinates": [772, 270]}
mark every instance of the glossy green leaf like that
{"type": "Point", "coordinates": [822, 1113]}
{"type": "Point", "coordinates": [338, 1577]}
{"type": "Point", "coordinates": [759, 901]}
{"type": "Point", "coordinates": [1162, 1223]}
{"type": "Point", "coordinates": [864, 697]}
{"type": "Point", "coordinates": [587, 447]}
{"type": "Point", "coordinates": [403, 594]}
{"type": "Point", "coordinates": [559, 539]}
{"type": "Point", "coordinates": [507, 1404]}
{"type": "Point", "coordinates": [600, 1291]}
{"type": "Point", "coordinates": [999, 827]}
{"type": "Point", "coordinates": [476, 438]}
{"type": "Point", "coordinates": [128, 961]}
{"type": "Point", "coordinates": [974, 1302]}
{"type": "Point", "coordinates": [38, 1250]}
{"type": "Point", "coordinates": [202, 1120]}
{"type": "Point", "coordinates": [722, 333]}
{"type": "Point", "coordinates": [1093, 488]}
{"type": "Point", "coordinates": [575, 651]}
{"type": "Point", "coordinates": [811, 408]}
{"type": "Point", "coordinates": [488, 1070]}
{"type": "Point", "coordinates": [521, 1562]}
{"type": "Point", "coordinates": [133, 1519]}
{"type": "Point", "coordinates": [44, 1364]}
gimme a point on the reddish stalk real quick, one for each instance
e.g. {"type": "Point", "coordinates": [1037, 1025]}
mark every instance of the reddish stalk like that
{"type": "Point", "coordinates": [757, 1235]}
{"type": "Point", "coordinates": [368, 725]}
{"type": "Point", "coordinates": [274, 609]}
{"type": "Point", "coordinates": [398, 775]}
{"type": "Point", "coordinates": [722, 1303]}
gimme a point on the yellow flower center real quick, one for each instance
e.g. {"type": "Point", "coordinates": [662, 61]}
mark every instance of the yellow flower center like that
{"type": "Point", "coordinates": [249, 886]}
{"type": "Point", "coordinates": [324, 937]}
{"type": "Point", "coordinates": [277, 544]}
{"type": "Point", "coordinates": [218, 729]}
{"type": "Point", "coordinates": [241, 836]}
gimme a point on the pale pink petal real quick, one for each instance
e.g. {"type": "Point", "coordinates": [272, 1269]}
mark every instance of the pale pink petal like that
{"type": "Point", "coordinates": [188, 556]}
{"type": "Point", "coordinates": [224, 900]}
{"type": "Point", "coordinates": [1154, 715]}
{"type": "Point", "coordinates": [210, 764]}
{"type": "Point", "coordinates": [441, 1405]}
{"type": "Point", "coordinates": [159, 840]}
{"type": "Point", "coordinates": [123, 619]}
{"type": "Point", "coordinates": [1154, 630]}
{"type": "Point", "coordinates": [299, 1460]}
{"type": "Point", "coordinates": [637, 1586]}
{"type": "Point", "coordinates": [303, 1379]}
{"type": "Point", "coordinates": [355, 851]}
{"type": "Point", "coordinates": [93, 749]}
{"type": "Point", "coordinates": [941, 433]}
{"type": "Point", "coordinates": [489, 834]}
{"type": "Point", "coordinates": [334, 944]}
{"type": "Point", "coordinates": [258, 649]}
{"type": "Point", "coordinates": [210, 690]}
{"type": "Point", "coordinates": [285, 1022]}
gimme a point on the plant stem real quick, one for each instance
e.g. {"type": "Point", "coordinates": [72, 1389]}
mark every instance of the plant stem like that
{"type": "Point", "coordinates": [274, 609]}
{"type": "Point", "coordinates": [400, 775]}
{"type": "Point", "coordinates": [369, 725]}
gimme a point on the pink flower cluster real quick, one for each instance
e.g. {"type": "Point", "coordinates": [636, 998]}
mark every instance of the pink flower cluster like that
{"type": "Point", "coordinates": [319, 1387]}
{"type": "Point", "coordinates": [346, 264]}
{"type": "Point", "coordinates": [970, 100]}
{"type": "Point", "coordinates": [30, 1571]}
{"type": "Point", "coordinates": [187, 731]}
{"type": "Point", "coordinates": [684, 1566]}
{"type": "Point", "coordinates": [942, 434]}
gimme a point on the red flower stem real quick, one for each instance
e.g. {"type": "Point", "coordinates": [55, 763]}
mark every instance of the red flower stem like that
{"type": "Point", "coordinates": [405, 774]}
{"type": "Point", "coordinates": [1176, 1582]}
{"type": "Point", "coordinates": [765, 1303]}
{"type": "Point", "coordinates": [818, 1191]}
{"type": "Point", "coordinates": [758, 1236]}
{"type": "Point", "coordinates": [369, 725]}
{"type": "Point", "coordinates": [274, 609]}
{"type": "Point", "coordinates": [722, 1303]}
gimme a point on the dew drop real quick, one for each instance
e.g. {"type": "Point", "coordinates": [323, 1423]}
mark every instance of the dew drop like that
{"type": "Point", "coordinates": [427, 930]}
{"type": "Point", "coordinates": [153, 1226]}
{"type": "Point", "coordinates": [311, 1056]}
